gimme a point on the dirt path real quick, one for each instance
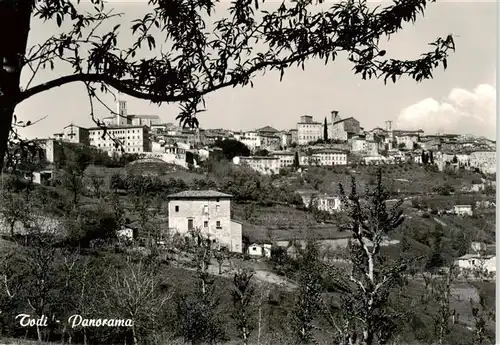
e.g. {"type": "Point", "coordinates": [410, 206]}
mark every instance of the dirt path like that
{"type": "Point", "coordinates": [439, 221]}
{"type": "Point", "coordinates": [228, 269]}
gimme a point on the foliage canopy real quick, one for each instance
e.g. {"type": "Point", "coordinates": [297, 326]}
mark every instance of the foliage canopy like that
{"type": "Point", "coordinates": [204, 55]}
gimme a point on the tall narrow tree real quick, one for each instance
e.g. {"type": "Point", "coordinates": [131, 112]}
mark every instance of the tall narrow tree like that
{"type": "Point", "coordinates": [310, 286]}
{"type": "Point", "coordinates": [325, 131]}
{"type": "Point", "coordinates": [424, 158]}
{"type": "Point", "coordinates": [243, 293]}
{"type": "Point", "coordinates": [296, 162]}
{"type": "Point", "coordinates": [366, 313]}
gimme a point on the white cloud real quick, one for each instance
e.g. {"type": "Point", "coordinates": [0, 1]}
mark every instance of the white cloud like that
{"type": "Point", "coordinates": [463, 111]}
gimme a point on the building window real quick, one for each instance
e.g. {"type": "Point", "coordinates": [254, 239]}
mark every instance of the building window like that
{"type": "Point", "coordinates": [205, 224]}
{"type": "Point", "coordinates": [217, 208]}
{"type": "Point", "coordinates": [176, 208]}
{"type": "Point", "coordinates": [217, 225]}
{"type": "Point", "coordinates": [190, 224]}
{"type": "Point", "coordinates": [205, 209]}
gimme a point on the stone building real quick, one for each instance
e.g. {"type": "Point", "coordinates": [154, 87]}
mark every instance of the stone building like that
{"type": "Point", "coordinates": [344, 129]}
{"type": "Point", "coordinates": [206, 210]}
{"type": "Point", "coordinates": [308, 130]}
{"type": "Point", "coordinates": [133, 139]}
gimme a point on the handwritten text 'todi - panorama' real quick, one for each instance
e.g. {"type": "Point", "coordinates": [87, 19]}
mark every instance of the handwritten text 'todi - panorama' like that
{"type": "Point", "coordinates": [26, 320]}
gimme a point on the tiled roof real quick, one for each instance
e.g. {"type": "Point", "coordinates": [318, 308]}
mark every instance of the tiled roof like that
{"type": "Point", "coordinates": [475, 256]}
{"type": "Point", "coordinates": [258, 158]}
{"type": "Point", "coordinates": [342, 120]}
{"type": "Point", "coordinates": [72, 125]}
{"type": "Point", "coordinates": [306, 191]}
{"type": "Point", "coordinates": [117, 127]}
{"type": "Point", "coordinates": [267, 129]}
{"type": "Point", "coordinates": [200, 194]}
{"type": "Point", "coordinates": [283, 153]}
{"type": "Point", "coordinates": [330, 151]}
{"type": "Point", "coordinates": [144, 116]}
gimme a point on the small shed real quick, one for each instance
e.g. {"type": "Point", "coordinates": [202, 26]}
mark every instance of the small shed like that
{"type": "Point", "coordinates": [260, 250]}
{"type": "Point", "coordinates": [462, 210]}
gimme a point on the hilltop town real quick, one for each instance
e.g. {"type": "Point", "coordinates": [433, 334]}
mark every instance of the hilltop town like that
{"type": "Point", "coordinates": [334, 141]}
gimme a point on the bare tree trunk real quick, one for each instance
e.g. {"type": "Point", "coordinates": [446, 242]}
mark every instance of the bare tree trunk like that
{"type": "Point", "coordinates": [63, 335]}
{"type": "Point", "coordinates": [39, 333]}
{"type": "Point", "coordinates": [135, 336]}
{"type": "Point", "coordinates": [245, 338]}
{"type": "Point", "coordinates": [259, 329]}
{"type": "Point", "coordinates": [368, 327]}
{"type": "Point", "coordinates": [15, 19]}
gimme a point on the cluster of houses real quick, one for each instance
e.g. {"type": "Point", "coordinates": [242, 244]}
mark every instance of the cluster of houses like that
{"type": "Point", "coordinates": [480, 260]}
{"type": "Point", "coordinates": [346, 142]}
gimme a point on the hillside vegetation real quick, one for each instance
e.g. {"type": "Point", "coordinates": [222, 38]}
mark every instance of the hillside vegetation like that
{"type": "Point", "coordinates": [91, 202]}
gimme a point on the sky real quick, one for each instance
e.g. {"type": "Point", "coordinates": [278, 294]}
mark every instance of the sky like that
{"type": "Point", "coordinates": [461, 99]}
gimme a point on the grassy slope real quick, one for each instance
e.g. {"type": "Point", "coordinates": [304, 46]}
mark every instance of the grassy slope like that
{"type": "Point", "coordinates": [407, 178]}
{"type": "Point", "coordinates": [164, 171]}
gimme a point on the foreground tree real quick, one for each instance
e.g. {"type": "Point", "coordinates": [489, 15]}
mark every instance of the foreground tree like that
{"type": "Point", "coordinates": [220, 256]}
{"type": "Point", "coordinates": [13, 210]}
{"type": "Point", "coordinates": [201, 60]}
{"type": "Point", "coordinates": [439, 294]}
{"type": "Point", "coordinates": [96, 184]}
{"type": "Point", "coordinates": [41, 268]}
{"type": "Point", "coordinates": [243, 294]}
{"type": "Point", "coordinates": [483, 315]}
{"type": "Point", "coordinates": [76, 160]}
{"type": "Point", "coordinates": [310, 286]}
{"type": "Point", "coordinates": [137, 292]}
{"type": "Point", "coordinates": [197, 318]}
{"type": "Point", "coordinates": [147, 204]}
{"type": "Point", "coordinates": [365, 314]}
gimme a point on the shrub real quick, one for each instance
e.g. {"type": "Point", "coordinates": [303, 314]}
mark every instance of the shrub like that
{"type": "Point", "coordinates": [444, 189]}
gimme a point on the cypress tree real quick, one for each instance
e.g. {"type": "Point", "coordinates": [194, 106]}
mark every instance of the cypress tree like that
{"type": "Point", "coordinates": [325, 131]}
{"type": "Point", "coordinates": [296, 160]}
